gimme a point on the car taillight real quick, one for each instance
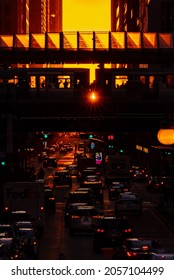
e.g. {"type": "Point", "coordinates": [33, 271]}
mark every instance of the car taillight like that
{"type": "Point", "coordinates": [96, 217]}
{"type": "Point", "coordinates": [51, 198]}
{"type": "Point", "coordinates": [75, 217]}
{"type": "Point", "coordinates": [128, 230]}
{"type": "Point", "coordinates": [41, 208]}
{"type": "Point", "coordinates": [100, 230]}
{"type": "Point", "coordinates": [6, 208]}
{"type": "Point", "coordinates": [131, 254]}
{"type": "Point", "coordinates": [144, 248]}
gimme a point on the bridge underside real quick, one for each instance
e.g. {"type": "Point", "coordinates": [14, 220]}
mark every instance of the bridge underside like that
{"type": "Point", "coordinates": [121, 124]}
{"type": "Point", "coordinates": [125, 56]}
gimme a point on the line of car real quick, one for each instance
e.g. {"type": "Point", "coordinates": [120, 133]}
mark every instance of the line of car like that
{"type": "Point", "coordinates": [83, 213]}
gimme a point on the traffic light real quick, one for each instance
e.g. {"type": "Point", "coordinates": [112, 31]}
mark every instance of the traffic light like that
{"type": "Point", "coordinates": [90, 136]}
{"type": "Point", "coordinates": [45, 136]}
{"type": "Point", "coordinates": [110, 146]}
{"type": "Point", "coordinates": [3, 163]}
{"type": "Point", "coordinates": [111, 137]}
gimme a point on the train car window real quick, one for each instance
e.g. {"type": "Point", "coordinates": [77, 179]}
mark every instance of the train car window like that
{"type": "Point", "coordinates": [120, 81]}
{"type": "Point", "coordinates": [42, 81]}
{"type": "Point", "coordinates": [170, 81]}
{"type": "Point", "coordinates": [143, 80]}
{"type": "Point", "coordinates": [151, 81]}
{"type": "Point", "coordinates": [64, 81]}
{"type": "Point", "coordinates": [32, 81]}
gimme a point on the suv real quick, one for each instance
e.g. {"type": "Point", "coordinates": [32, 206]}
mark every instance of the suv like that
{"type": "Point", "coordinates": [110, 231]}
{"type": "Point", "coordinates": [95, 183]}
{"type": "Point", "coordinates": [50, 162]}
{"type": "Point", "coordinates": [62, 177]}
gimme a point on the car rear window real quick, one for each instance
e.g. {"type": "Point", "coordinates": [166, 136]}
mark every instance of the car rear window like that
{"type": "Point", "coordinates": [114, 224]}
{"type": "Point", "coordinates": [85, 212]}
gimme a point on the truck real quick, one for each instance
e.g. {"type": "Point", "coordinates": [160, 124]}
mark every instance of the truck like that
{"type": "Point", "coordinates": [25, 196]}
{"type": "Point", "coordinates": [117, 168]}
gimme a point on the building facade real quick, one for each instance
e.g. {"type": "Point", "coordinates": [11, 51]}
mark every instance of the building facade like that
{"type": "Point", "coordinates": [129, 15]}
{"type": "Point", "coordinates": [24, 16]}
{"type": "Point", "coordinates": [161, 16]}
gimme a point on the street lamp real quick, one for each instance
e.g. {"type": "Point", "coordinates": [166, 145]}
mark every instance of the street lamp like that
{"type": "Point", "coordinates": [166, 133]}
{"type": "Point", "coordinates": [166, 136]}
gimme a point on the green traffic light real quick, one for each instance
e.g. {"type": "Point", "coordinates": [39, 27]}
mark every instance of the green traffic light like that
{"type": "Point", "coordinates": [45, 136]}
{"type": "Point", "coordinates": [90, 136]}
{"type": "Point", "coordinates": [111, 146]}
{"type": "Point", "coordinates": [121, 151]}
{"type": "Point", "coordinates": [3, 163]}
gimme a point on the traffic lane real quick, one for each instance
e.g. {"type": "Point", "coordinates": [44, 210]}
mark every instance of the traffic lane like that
{"type": "Point", "coordinates": [56, 238]}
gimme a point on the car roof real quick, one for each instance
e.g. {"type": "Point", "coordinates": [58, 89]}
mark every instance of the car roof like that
{"type": "Point", "coordinates": [74, 204]}
{"type": "Point", "coordinates": [78, 192]}
{"type": "Point", "coordinates": [141, 242]}
{"type": "Point", "coordinates": [128, 196]}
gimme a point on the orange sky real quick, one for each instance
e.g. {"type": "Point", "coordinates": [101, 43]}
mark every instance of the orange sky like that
{"type": "Point", "coordinates": [86, 15]}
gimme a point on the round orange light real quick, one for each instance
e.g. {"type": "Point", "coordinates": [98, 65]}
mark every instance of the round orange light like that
{"type": "Point", "coordinates": [166, 136]}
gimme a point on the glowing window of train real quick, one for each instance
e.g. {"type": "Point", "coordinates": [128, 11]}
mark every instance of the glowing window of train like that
{"type": "Point", "coordinates": [143, 80]}
{"type": "Point", "coordinates": [42, 81]}
{"type": "Point", "coordinates": [13, 80]}
{"type": "Point", "coordinates": [32, 81]}
{"type": "Point", "coordinates": [120, 81]}
{"type": "Point", "coordinates": [151, 81]}
{"type": "Point", "coordinates": [64, 81]}
{"type": "Point", "coordinates": [170, 81]}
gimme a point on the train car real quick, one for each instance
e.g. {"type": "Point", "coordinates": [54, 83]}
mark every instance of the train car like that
{"type": "Point", "coordinates": [135, 82]}
{"type": "Point", "coordinates": [44, 80]}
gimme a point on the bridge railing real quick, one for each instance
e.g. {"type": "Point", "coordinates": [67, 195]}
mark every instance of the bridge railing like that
{"type": "Point", "coordinates": [89, 41]}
